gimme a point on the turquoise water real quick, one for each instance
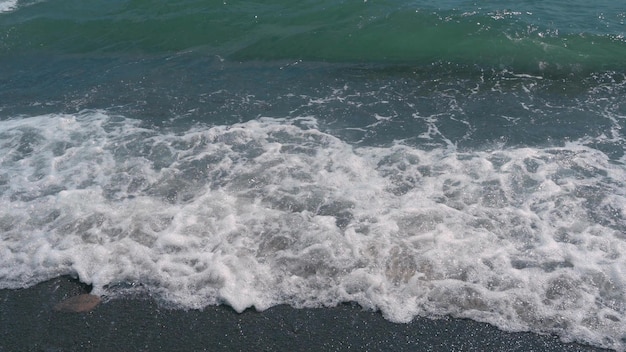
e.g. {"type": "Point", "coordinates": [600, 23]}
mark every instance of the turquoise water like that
{"type": "Point", "coordinates": [422, 159]}
{"type": "Point", "coordinates": [533, 36]}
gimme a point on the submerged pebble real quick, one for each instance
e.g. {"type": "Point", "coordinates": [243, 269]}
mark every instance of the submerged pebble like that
{"type": "Point", "coordinates": [78, 304]}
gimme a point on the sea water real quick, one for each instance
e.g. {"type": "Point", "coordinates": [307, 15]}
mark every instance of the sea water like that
{"type": "Point", "coordinates": [421, 159]}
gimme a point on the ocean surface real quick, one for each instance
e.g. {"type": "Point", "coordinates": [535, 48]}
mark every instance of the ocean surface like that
{"type": "Point", "coordinates": [461, 158]}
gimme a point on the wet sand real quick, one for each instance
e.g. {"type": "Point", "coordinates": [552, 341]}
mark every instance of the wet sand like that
{"type": "Point", "coordinates": [30, 322]}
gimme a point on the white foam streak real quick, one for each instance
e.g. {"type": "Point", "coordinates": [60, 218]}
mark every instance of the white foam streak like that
{"type": "Point", "coordinates": [275, 211]}
{"type": "Point", "coordinates": [7, 5]}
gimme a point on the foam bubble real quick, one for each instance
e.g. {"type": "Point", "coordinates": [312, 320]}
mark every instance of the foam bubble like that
{"type": "Point", "coordinates": [276, 211]}
{"type": "Point", "coordinates": [7, 5]}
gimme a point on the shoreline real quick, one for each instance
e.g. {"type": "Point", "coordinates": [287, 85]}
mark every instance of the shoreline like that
{"type": "Point", "coordinates": [29, 322]}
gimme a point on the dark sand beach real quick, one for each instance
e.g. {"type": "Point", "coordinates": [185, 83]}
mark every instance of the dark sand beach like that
{"type": "Point", "coordinates": [30, 322]}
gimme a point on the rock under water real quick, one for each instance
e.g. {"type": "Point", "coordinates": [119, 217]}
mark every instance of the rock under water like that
{"type": "Point", "coordinates": [78, 304]}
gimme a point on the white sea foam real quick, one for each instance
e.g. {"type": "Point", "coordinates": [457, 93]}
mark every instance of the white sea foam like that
{"type": "Point", "coordinates": [275, 211]}
{"type": "Point", "coordinates": [7, 5]}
